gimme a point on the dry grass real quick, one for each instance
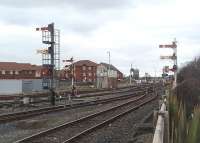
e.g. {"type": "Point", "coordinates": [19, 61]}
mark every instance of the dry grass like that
{"type": "Point", "coordinates": [184, 126]}
{"type": "Point", "coordinates": [184, 109]}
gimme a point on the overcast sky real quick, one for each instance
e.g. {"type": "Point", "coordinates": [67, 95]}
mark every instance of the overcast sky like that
{"type": "Point", "coordinates": [130, 29]}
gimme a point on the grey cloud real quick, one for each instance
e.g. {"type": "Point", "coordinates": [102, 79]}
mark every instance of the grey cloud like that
{"type": "Point", "coordinates": [74, 15]}
{"type": "Point", "coordinates": [31, 17]}
{"type": "Point", "coordinates": [98, 4]}
{"type": "Point", "coordinates": [30, 3]}
{"type": "Point", "coordinates": [83, 28]}
{"type": "Point", "coordinates": [83, 4]}
{"type": "Point", "coordinates": [68, 19]}
{"type": "Point", "coordinates": [20, 49]}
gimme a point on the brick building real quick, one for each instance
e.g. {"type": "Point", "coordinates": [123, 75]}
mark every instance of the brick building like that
{"type": "Point", "coordinates": [18, 78]}
{"type": "Point", "coordinates": [85, 71]}
{"type": "Point", "coordinates": [13, 70]}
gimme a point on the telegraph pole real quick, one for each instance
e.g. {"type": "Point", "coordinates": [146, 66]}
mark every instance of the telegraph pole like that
{"type": "Point", "coordinates": [72, 73]}
{"type": "Point", "coordinates": [109, 69]}
{"type": "Point", "coordinates": [130, 75]}
{"type": "Point", "coordinates": [109, 60]}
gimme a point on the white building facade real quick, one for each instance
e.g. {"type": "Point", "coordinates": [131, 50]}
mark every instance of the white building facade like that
{"type": "Point", "coordinates": [106, 76]}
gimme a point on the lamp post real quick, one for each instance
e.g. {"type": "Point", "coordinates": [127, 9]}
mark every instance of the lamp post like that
{"type": "Point", "coordinates": [108, 73]}
{"type": "Point", "coordinates": [72, 72]}
{"type": "Point", "coordinates": [130, 75]}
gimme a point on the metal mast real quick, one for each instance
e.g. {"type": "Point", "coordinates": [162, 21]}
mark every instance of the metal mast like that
{"type": "Point", "coordinates": [173, 57]}
{"type": "Point", "coordinates": [50, 58]}
{"type": "Point", "coordinates": [131, 70]}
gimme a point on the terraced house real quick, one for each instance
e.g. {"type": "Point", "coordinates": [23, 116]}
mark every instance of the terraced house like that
{"type": "Point", "coordinates": [13, 70]}
{"type": "Point", "coordinates": [16, 78]}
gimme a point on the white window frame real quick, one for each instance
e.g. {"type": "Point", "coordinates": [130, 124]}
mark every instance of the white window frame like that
{"type": "Point", "coordinates": [11, 73]}
{"type": "Point", "coordinates": [16, 72]}
{"type": "Point", "coordinates": [89, 74]}
{"type": "Point", "coordinates": [89, 68]}
{"type": "Point", "coordinates": [84, 68]}
{"type": "Point", "coordinates": [38, 74]}
{"type": "Point", "coordinates": [3, 72]}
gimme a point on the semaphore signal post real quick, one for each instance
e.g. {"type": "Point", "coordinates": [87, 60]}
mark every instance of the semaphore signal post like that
{"type": "Point", "coordinates": [173, 57]}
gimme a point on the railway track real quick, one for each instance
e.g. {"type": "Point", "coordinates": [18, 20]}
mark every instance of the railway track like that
{"type": "Point", "coordinates": [72, 131]}
{"type": "Point", "coordinates": [27, 114]}
{"type": "Point", "coordinates": [83, 95]}
{"type": "Point", "coordinates": [114, 92]}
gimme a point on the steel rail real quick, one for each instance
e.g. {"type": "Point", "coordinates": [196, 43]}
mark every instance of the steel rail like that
{"type": "Point", "coordinates": [114, 92]}
{"type": "Point", "coordinates": [26, 114]}
{"type": "Point", "coordinates": [106, 122]}
{"type": "Point", "coordinates": [66, 125]}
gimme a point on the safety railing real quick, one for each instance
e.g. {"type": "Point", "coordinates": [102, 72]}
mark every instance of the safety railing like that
{"type": "Point", "coordinates": [160, 126]}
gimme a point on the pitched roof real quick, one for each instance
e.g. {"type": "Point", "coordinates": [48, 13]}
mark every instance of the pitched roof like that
{"type": "Point", "coordinates": [85, 62]}
{"type": "Point", "coordinates": [111, 67]}
{"type": "Point", "coordinates": [18, 66]}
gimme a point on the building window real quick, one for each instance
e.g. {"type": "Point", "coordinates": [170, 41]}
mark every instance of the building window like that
{"type": "Point", "coordinates": [3, 72]}
{"type": "Point", "coordinates": [89, 68]}
{"type": "Point", "coordinates": [84, 74]}
{"type": "Point", "coordinates": [84, 68]}
{"type": "Point", "coordinates": [7, 72]}
{"type": "Point", "coordinates": [25, 72]}
{"type": "Point", "coordinates": [84, 79]}
{"type": "Point", "coordinates": [16, 72]}
{"type": "Point", "coordinates": [11, 72]}
{"type": "Point", "coordinates": [89, 74]}
{"type": "Point", "coordinates": [30, 72]}
{"type": "Point", "coordinates": [38, 74]}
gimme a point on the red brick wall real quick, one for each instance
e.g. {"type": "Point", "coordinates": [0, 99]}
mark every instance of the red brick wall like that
{"type": "Point", "coordinates": [79, 73]}
{"type": "Point", "coordinates": [24, 74]}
